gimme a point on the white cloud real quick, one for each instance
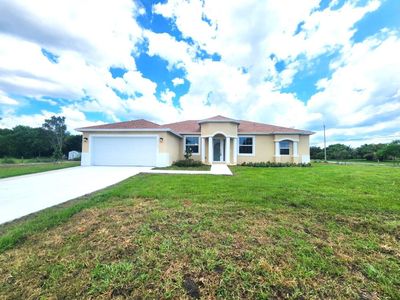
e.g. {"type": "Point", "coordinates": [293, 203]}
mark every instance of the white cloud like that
{"type": "Point", "coordinates": [167, 96]}
{"type": "Point", "coordinates": [250, 37]}
{"type": "Point", "coordinates": [178, 81]}
{"type": "Point", "coordinates": [7, 100]}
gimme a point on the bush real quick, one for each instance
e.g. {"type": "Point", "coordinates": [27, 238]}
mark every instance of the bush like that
{"type": "Point", "coordinates": [7, 160]}
{"type": "Point", "coordinates": [269, 164]}
{"type": "Point", "coordinates": [188, 163]}
{"type": "Point", "coordinates": [370, 156]}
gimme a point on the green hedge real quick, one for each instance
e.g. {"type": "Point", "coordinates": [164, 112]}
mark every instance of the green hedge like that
{"type": "Point", "coordinates": [188, 163]}
{"type": "Point", "coordinates": [274, 164]}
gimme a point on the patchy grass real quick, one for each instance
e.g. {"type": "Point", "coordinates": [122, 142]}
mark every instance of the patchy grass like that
{"type": "Point", "coordinates": [325, 232]}
{"type": "Point", "coordinates": [16, 170]}
{"type": "Point", "coordinates": [197, 168]}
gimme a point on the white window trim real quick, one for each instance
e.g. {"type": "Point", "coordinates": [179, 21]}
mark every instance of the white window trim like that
{"type": "Point", "coordinates": [285, 148]}
{"type": "Point", "coordinates": [253, 148]}
{"type": "Point", "coordinates": [198, 144]}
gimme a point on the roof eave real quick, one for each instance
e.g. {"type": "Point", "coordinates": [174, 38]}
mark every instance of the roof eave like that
{"type": "Point", "coordinates": [218, 121]}
{"type": "Point", "coordinates": [273, 132]}
{"type": "Point", "coordinates": [127, 130]}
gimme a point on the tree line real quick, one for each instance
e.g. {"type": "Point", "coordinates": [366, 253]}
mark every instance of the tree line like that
{"type": "Point", "coordinates": [371, 152]}
{"type": "Point", "coordinates": [50, 140]}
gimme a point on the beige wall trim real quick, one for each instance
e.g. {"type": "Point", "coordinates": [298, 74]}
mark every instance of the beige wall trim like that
{"type": "Point", "coordinates": [286, 139]}
{"type": "Point", "coordinates": [221, 133]}
{"type": "Point", "coordinates": [219, 121]}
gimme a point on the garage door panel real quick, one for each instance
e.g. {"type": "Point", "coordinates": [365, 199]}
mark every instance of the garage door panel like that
{"type": "Point", "coordinates": [124, 151]}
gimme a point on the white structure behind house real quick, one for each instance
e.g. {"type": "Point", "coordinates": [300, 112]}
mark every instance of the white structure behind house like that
{"type": "Point", "coordinates": [73, 155]}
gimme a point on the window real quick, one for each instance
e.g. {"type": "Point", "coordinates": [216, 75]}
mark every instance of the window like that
{"type": "Point", "coordinates": [284, 148]}
{"type": "Point", "coordinates": [246, 144]}
{"type": "Point", "coordinates": [192, 142]}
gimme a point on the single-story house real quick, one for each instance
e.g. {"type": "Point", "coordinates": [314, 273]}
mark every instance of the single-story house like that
{"type": "Point", "coordinates": [213, 140]}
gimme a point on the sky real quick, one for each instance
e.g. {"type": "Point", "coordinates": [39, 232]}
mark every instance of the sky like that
{"type": "Point", "coordinates": [291, 63]}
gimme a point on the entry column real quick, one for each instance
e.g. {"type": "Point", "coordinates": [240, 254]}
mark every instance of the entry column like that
{"type": "Point", "coordinates": [235, 149]}
{"type": "Point", "coordinates": [210, 150]}
{"type": "Point", "coordinates": [228, 150]}
{"type": "Point", "coordinates": [203, 150]}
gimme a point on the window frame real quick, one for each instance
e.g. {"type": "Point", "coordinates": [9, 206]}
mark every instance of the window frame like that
{"type": "Point", "coordinates": [253, 146]}
{"type": "Point", "coordinates": [198, 144]}
{"type": "Point", "coordinates": [288, 148]}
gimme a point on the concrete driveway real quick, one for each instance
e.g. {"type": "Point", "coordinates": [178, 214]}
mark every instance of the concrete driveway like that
{"type": "Point", "coordinates": [22, 195]}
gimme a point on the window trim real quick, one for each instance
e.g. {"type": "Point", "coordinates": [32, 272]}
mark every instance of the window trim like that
{"type": "Point", "coordinates": [288, 141]}
{"type": "Point", "coordinates": [253, 153]}
{"type": "Point", "coordinates": [198, 144]}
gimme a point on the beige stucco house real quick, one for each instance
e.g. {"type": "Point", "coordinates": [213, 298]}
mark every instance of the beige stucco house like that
{"type": "Point", "coordinates": [214, 140]}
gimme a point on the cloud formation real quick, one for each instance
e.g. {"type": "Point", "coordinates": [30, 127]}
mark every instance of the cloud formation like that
{"type": "Point", "coordinates": [240, 59]}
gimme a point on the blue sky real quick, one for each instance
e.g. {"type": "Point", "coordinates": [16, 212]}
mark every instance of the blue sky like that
{"type": "Point", "coordinates": [291, 63]}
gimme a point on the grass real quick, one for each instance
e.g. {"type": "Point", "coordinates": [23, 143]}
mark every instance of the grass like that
{"type": "Point", "coordinates": [326, 232]}
{"type": "Point", "coordinates": [16, 170]}
{"type": "Point", "coordinates": [197, 168]}
{"type": "Point", "coordinates": [395, 163]}
{"type": "Point", "coordinates": [14, 160]}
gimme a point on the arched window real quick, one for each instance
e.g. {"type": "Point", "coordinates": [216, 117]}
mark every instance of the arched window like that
{"type": "Point", "coordinates": [284, 147]}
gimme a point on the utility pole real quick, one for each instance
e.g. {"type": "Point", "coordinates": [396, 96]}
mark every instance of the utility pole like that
{"type": "Point", "coordinates": [324, 143]}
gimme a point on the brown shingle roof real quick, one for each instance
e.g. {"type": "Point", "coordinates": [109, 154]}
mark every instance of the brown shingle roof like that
{"type": "Point", "coordinates": [134, 124]}
{"type": "Point", "coordinates": [184, 126]}
{"type": "Point", "coordinates": [193, 126]}
{"type": "Point", "coordinates": [246, 126]}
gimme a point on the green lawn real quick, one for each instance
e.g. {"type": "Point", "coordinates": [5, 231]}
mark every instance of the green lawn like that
{"type": "Point", "coordinates": [16, 170]}
{"type": "Point", "coordinates": [325, 232]}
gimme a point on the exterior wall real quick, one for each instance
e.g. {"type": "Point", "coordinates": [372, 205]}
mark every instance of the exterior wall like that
{"type": "Point", "coordinates": [304, 149]}
{"type": "Point", "coordinates": [264, 150]}
{"type": "Point", "coordinates": [210, 129]}
{"type": "Point", "coordinates": [168, 149]}
{"type": "Point", "coordinates": [172, 147]}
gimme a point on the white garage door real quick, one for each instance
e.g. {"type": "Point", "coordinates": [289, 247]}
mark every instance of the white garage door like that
{"type": "Point", "coordinates": [124, 151]}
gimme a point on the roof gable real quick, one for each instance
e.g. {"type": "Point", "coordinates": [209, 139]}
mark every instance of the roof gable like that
{"type": "Point", "coordinates": [218, 119]}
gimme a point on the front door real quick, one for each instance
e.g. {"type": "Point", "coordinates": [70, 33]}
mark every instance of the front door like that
{"type": "Point", "coordinates": [218, 149]}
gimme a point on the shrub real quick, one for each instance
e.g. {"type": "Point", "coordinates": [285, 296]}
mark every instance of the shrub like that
{"type": "Point", "coordinates": [7, 160]}
{"type": "Point", "coordinates": [269, 164]}
{"type": "Point", "coordinates": [370, 156]}
{"type": "Point", "coordinates": [188, 163]}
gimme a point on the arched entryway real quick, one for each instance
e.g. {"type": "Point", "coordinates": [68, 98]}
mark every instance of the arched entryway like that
{"type": "Point", "coordinates": [219, 144]}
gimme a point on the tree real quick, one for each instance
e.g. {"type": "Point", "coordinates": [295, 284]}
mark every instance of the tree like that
{"type": "Point", "coordinates": [339, 151]}
{"type": "Point", "coordinates": [316, 152]}
{"type": "Point", "coordinates": [72, 142]}
{"type": "Point", "coordinates": [188, 153]}
{"type": "Point", "coordinates": [57, 130]}
{"type": "Point", "coordinates": [392, 150]}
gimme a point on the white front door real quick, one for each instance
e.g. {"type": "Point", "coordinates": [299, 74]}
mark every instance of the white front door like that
{"type": "Point", "coordinates": [123, 151]}
{"type": "Point", "coordinates": [218, 149]}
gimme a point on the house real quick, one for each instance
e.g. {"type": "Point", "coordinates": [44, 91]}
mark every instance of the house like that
{"type": "Point", "coordinates": [213, 140]}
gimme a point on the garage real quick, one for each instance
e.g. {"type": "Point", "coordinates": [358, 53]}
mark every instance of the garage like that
{"type": "Point", "coordinates": [123, 150]}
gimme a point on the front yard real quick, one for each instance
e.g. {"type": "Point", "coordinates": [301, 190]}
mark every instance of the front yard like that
{"type": "Point", "coordinates": [30, 168]}
{"type": "Point", "coordinates": [328, 231]}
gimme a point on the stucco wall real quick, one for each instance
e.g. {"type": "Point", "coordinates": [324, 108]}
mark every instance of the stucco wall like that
{"type": "Point", "coordinates": [209, 129]}
{"type": "Point", "coordinates": [264, 150]}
